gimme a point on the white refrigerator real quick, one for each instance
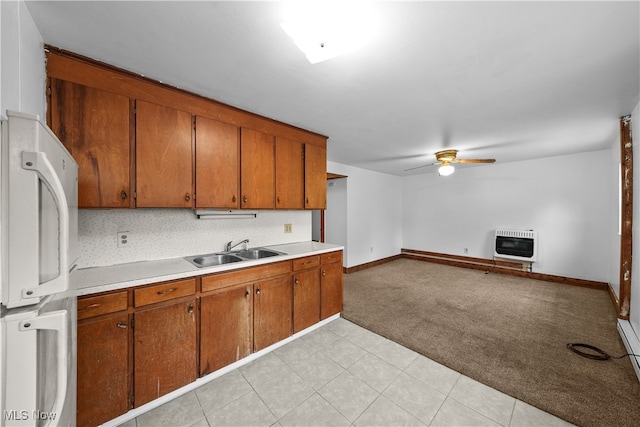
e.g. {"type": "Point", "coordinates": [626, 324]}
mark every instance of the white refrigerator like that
{"type": "Point", "coordinates": [38, 233]}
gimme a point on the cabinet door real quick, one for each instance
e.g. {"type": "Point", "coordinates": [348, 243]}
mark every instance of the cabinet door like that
{"type": "Point", "coordinates": [226, 328]}
{"type": "Point", "coordinates": [94, 126]}
{"type": "Point", "coordinates": [164, 350]}
{"type": "Point", "coordinates": [163, 157]}
{"type": "Point", "coordinates": [217, 164]}
{"type": "Point", "coordinates": [272, 311]}
{"type": "Point", "coordinates": [103, 370]}
{"type": "Point", "coordinates": [306, 299]}
{"type": "Point", "coordinates": [315, 175]}
{"type": "Point", "coordinates": [331, 290]}
{"type": "Point", "coordinates": [257, 170]}
{"type": "Point", "coordinates": [289, 174]}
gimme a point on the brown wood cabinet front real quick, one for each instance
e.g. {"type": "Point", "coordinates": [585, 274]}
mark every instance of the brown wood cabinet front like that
{"type": "Point", "coordinates": [226, 327]}
{"type": "Point", "coordinates": [217, 164]}
{"type": "Point", "coordinates": [241, 312]}
{"type": "Point", "coordinates": [306, 299]}
{"type": "Point", "coordinates": [272, 320]}
{"type": "Point", "coordinates": [289, 174]}
{"type": "Point", "coordinates": [331, 290]}
{"type": "Point", "coordinates": [163, 157]}
{"type": "Point", "coordinates": [315, 170]}
{"type": "Point", "coordinates": [103, 369]}
{"type": "Point", "coordinates": [94, 126]}
{"type": "Point", "coordinates": [257, 170]}
{"type": "Point", "coordinates": [165, 351]}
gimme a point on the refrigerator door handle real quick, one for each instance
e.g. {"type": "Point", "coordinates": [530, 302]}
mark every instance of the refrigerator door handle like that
{"type": "Point", "coordinates": [38, 162]}
{"type": "Point", "coordinates": [57, 321]}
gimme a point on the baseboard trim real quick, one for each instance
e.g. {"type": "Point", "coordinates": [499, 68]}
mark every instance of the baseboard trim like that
{"type": "Point", "coordinates": [631, 343]}
{"type": "Point", "coordinates": [364, 266]}
{"type": "Point", "coordinates": [499, 266]}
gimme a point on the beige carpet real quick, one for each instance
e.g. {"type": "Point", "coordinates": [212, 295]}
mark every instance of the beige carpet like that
{"type": "Point", "coordinates": [507, 332]}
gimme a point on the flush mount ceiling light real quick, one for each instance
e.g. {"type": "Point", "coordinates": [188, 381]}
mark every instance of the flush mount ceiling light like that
{"type": "Point", "coordinates": [324, 30]}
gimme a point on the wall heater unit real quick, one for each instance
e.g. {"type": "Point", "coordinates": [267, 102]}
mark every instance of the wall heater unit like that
{"type": "Point", "coordinates": [520, 245]}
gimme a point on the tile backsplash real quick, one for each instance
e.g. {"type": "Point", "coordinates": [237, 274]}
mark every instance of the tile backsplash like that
{"type": "Point", "coordinates": [167, 233]}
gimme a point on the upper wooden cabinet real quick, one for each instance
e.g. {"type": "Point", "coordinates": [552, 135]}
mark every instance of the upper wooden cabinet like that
{"type": "Point", "coordinates": [131, 135]}
{"type": "Point", "coordinates": [289, 174]}
{"type": "Point", "coordinates": [315, 171]}
{"type": "Point", "coordinates": [257, 170]}
{"type": "Point", "coordinates": [217, 164]}
{"type": "Point", "coordinates": [94, 125]}
{"type": "Point", "coordinates": [163, 157]}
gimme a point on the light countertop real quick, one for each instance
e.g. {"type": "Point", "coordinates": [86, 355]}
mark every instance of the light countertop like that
{"type": "Point", "coordinates": [101, 279]}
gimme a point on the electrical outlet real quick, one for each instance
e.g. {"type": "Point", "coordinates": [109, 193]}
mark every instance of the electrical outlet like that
{"type": "Point", "coordinates": [124, 239]}
{"type": "Point", "coordinates": [288, 228]}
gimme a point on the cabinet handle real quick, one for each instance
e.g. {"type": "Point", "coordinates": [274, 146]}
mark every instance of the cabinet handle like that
{"type": "Point", "coordinates": [167, 291]}
{"type": "Point", "coordinates": [296, 281]}
{"type": "Point", "coordinates": [234, 198]}
{"type": "Point", "coordinates": [247, 293]}
{"type": "Point", "coordinates": [187, 197]}
{"type": "Point", "coordinates": [324, 273]}
{"type": "Point", "coordinates": [258, 291]}
{"type": "Point", "coordinates": [244, 199]}
{"type": "Point", "coordinates": [278, 199]}
{"type": "Point", "coordinates": [89, 307]}
{"type": "Point", "coordinates": [190, 310]}
{"type": "Point", "coordinates": [307, 200]}
{"type": "Point", "coordinates": [122, 325]}
{"type": "Point", "coordinates": [123, 194]}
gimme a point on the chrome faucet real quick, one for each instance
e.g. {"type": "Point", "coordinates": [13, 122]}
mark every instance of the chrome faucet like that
{"type": "Point", "coordinates": [229, 247]}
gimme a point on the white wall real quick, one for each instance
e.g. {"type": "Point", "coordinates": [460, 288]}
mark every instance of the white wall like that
{"type": "Point", "coordinates": [373, 214]}
{"type": "Point", "coordinates": [565, 199]}
{"type": "Point", "coordinates": [335, 217]}
{"type": "Point", "coordinates": [22, 61]}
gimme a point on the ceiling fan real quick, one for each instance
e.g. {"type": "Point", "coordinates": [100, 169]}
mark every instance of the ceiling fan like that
{"type": "Point", "coordinates": [446, 157]}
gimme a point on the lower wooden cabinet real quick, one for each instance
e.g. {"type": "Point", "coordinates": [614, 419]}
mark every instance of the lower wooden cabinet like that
{"type": "Point", "coordinates": [271, 311]}
{"type": "Point", "coordinates": [138, 344]}
{"type": "Point", "coordinates": [331, 284]}
{"type": "Point", "coordinates": [164, 349]}
{"type": "Point", "coordinates": [226, 327]}
{"type": "Point", "coordinates": [103, 369]}
{"type": "Point", "coordinates": [306, 299]}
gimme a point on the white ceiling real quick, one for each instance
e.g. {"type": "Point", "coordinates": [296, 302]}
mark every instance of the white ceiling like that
{"type": "Point", "coordinates": [505, 80]}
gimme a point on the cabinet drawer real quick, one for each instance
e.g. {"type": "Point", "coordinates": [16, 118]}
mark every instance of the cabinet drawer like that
{"type": "Point", "coordinates": [331, 257]}
{"type": "Point", "coordinates": [164, 292]}
{"type": "Point", "coordinates": [222, 280]}
{"type": "Point", "coordinates": [306, 262]}
{"type": "Point", "coordinates": [102, 304]}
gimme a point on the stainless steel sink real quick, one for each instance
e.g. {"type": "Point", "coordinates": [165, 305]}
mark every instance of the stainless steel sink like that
{"type": "Point", "coordinates": [257, 253]}
{"type": "Point", "coordinates": [213, 260]}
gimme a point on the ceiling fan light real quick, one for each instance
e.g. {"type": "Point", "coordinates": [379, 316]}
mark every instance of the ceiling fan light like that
{"type": "Point", "coordinates": [446, 170]}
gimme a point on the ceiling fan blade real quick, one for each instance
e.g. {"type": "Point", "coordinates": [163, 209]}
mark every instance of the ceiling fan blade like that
{"type": "Point", "coordinates": [474, 161]}
{"type": "Point", "coordinates": [423, 166]}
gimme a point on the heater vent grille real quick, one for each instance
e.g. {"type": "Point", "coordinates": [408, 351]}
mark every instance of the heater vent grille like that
{"type": "Point", "coordinates": [524, 234]}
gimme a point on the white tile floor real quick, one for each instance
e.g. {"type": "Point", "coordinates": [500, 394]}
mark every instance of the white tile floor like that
{"type": "Point", "coordinates": [344, 375]}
